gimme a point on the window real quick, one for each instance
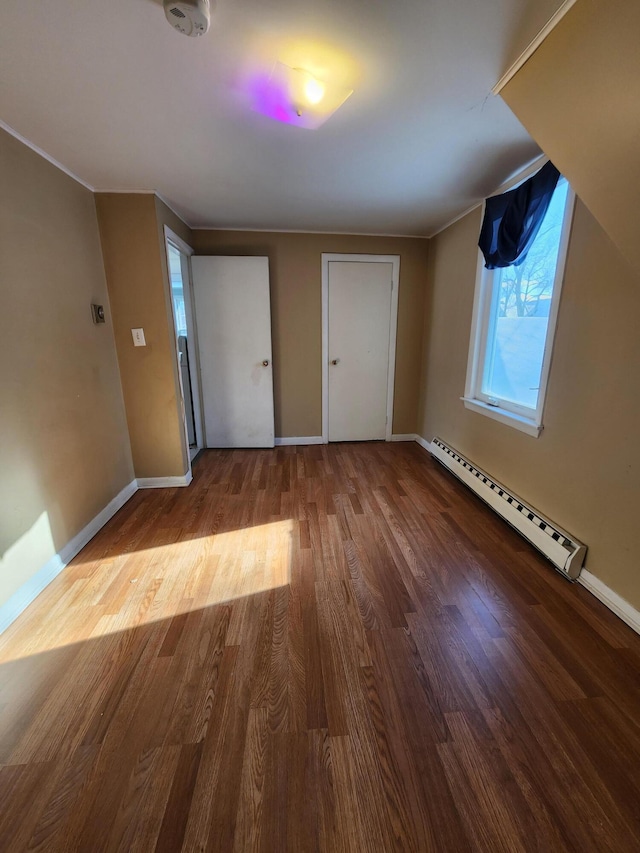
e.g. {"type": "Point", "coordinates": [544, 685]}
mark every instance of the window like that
{"type": "Point", "coordinates": [177, 290]}
{"type": "Point", "coordinates": [514, 323]}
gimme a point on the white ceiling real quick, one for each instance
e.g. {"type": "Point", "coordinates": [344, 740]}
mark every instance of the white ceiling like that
{"type": "Point", "coordinates": [124, 102]}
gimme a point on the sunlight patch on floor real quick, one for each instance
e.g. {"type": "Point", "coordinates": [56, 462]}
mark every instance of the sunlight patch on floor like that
{"type": "Point", "coordinates": [120, 593]}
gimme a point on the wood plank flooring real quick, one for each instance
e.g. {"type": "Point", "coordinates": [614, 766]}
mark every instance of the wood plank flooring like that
{"type": "Point", "coordinates": [317, 649]}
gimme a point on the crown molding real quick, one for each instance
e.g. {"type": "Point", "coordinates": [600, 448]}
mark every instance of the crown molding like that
{"type": "Point", "coordinates": [124, 192]}
{"type": "Point", "coordinates": [171, 207]}
{"type": "Point", "coordinates": [162, 198]}
{"type": "Point", "coordinates": [12, 132]}
{"type": "Point", "coordinates": [512, 181]}
{"type": "Point", "coordinates": [37, 150]}
{"type": "Point", "coordinates": [303, 231]}
{"type": "Point", "coordinates": [531, 48]}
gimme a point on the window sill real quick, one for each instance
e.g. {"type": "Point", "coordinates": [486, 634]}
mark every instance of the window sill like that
{"type": "Point", "coordinates": [503, 416]}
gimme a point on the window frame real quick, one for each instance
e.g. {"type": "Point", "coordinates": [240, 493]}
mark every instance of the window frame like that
{"type": "Point", "coordinates": [526, 419]}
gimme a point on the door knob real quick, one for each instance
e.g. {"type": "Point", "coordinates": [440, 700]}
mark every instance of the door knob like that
{"type": "Point", "coordinates": [335, 361]}
{"type": "Point", "coordinates": [265, 363]}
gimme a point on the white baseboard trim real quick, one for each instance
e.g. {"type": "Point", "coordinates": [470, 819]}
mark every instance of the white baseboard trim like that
{"type": "Point", "coordinates": [87, 533]}
{"type": "Point", "coordinates": [30, 590]}
{"type": "Point", "coordinates": [412, 436]}
{"type": "Point", "coordinates": [287, 441]}
{"type": "Point", "coordinates": [611, 599]}
{"type": "Point", "coordinates": [164, 482]}
{"type": "Point", "coordinates": [424, 443]}
{"type": "Point", "coordinates": [602, 592]}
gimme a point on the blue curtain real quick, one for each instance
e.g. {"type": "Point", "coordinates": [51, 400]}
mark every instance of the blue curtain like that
{"type": "Point", "coordinates": [512, 220]}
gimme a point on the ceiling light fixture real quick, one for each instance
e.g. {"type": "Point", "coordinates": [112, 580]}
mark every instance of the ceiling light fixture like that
{"type": "Point", "coordinates": [296, 96]}
{"type": "Point", "coordinates": [313, 90]}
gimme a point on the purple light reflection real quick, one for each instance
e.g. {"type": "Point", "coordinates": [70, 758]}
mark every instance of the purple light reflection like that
{"type": "Point", "coordinates": [270, 97]}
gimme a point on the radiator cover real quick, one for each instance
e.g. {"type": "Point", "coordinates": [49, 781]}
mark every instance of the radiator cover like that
{"type": "Point", "coordinates": [558, 546]}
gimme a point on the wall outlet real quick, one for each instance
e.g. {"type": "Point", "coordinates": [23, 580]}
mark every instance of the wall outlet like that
{"type": "Point", "coordinates": [138, 337]}
{"type": "Point", "coordinates": [97, 312]}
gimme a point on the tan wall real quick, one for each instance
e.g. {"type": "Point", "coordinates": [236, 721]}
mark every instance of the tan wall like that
{"type": "Point", "coordinates": [135, 265]}
{"type": "Point", "coordinates": [533, 16]}
{"type": "Point", "coordinates": [165, 216]}
{"type": "Point", "coordinates": [578, 97]}
{"type": "Point", "coordinates": [295, 269]}
{"type": "Point", "coordinates": [583, 470]}
{"type": "Point", "coordinates": [64, 448]}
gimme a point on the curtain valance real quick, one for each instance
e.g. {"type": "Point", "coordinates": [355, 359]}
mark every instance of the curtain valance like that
{"type": "Point", "coordinates": [512, 220]}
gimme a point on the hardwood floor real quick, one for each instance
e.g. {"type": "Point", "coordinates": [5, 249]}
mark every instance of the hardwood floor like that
{"type": "Point", "coordinates": [323, 648]}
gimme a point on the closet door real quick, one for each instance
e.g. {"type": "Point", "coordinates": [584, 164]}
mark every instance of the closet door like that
{"type": "Point", "coordinates": [359, 317]}
{"type": "Point", "coordinates": [233, 318]}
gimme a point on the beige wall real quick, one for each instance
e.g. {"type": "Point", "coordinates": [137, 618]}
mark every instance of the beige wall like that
{"type": "Point", "coordinates": [64, 449]}
{"type": "Point", "coordinates": [295, 269]}
{"type": "Point", "coordinates": [135, 266]}
{"type": "Point", "coordinates": [166, 216]}
{"type": "Point", "coordinates": [583, 470]}
{"type": "Point", "coordinates": [578, 97]}
{"type": "Point", "coordinates": [533, 15]}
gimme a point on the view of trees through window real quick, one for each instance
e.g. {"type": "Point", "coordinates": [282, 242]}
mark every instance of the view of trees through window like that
{"type": "Point", "coordinates": [519, 318]}
{"type": "Point", "coordinates": [177, 291]}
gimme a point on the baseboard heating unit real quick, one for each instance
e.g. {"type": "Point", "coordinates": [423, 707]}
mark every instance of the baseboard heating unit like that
{"type": "Point", "coordinates": [558, 546]}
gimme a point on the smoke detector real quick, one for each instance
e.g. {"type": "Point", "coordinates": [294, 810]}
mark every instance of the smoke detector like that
{"type": "Point", "coordinates": [190, 17]}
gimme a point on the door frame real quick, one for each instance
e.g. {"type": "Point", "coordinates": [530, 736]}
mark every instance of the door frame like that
{"type": "Point", "coordinates": [394, 260]}
{"type": "Point", "coordinates": [171, 238]}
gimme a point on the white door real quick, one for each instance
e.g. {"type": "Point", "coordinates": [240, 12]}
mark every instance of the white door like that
{"type": "Point", "coordinates": [233, 317]}
{"type": "Point", "coordinates": [360, 296]}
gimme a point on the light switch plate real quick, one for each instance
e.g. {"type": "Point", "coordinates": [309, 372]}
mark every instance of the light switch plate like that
{"type": "Point", "coordinates": [138, 337]}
